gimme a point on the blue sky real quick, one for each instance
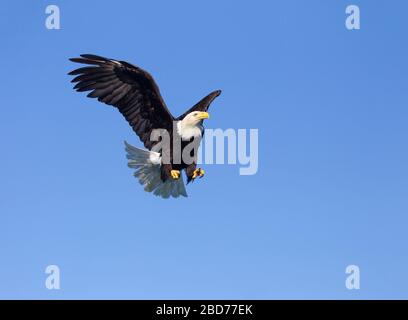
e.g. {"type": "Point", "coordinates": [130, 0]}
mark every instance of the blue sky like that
{"type": "Point", "coordinates": [331, 190]}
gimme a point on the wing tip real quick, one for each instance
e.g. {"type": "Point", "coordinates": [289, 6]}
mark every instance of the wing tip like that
{"type": "Point", "coordinates": [94, 57]}
{"type": "Point", "coordinates": [72, 73]}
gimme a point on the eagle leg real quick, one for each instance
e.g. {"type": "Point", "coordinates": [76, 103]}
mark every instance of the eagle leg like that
{"type": "Point", "coordinates": [175, 174]}
{"type": "Point", "coordinates": [198, 173]}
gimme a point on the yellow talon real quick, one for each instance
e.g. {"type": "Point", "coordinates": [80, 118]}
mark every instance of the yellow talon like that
{"type": "Point", "coordinates": [198, 173]}
{"type": "Point", "coordinates": [175, 174]}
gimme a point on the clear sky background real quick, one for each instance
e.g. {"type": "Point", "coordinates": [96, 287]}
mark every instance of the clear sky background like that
{"type": "Point", "coordinates": [331, 190]}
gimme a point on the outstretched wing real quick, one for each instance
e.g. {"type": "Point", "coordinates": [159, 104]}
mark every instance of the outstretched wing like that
{"type": "Point", "coordinates": [203, 104]}
{"type": "Point", "coordinates": [128, 88]}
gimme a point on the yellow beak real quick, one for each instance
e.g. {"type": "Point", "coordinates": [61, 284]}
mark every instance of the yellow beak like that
{"type": "Point", "coordinates": [203, 115]}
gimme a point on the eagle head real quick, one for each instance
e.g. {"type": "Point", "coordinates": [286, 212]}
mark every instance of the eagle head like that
{"type": "Point", "coordinates": [191, 125]}
{"type": "Point", "coordinates": [194, 118]}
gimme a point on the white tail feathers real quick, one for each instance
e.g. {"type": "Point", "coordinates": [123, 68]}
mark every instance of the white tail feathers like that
{"type": "Point", "coordinates": [147, 165]}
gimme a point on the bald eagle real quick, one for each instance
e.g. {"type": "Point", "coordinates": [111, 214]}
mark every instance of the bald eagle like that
{"type": "Point", "coordinates": [135, 94]}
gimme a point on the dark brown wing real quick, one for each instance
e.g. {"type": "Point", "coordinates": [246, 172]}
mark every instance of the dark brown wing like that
{"type": "Point", "coordinates": [127, 87]}
{"type": "Point", "coordinates": [203, 104]}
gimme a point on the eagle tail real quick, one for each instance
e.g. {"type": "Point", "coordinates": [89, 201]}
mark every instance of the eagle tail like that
{"type": "Point", "coordinates": [148, 172]}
